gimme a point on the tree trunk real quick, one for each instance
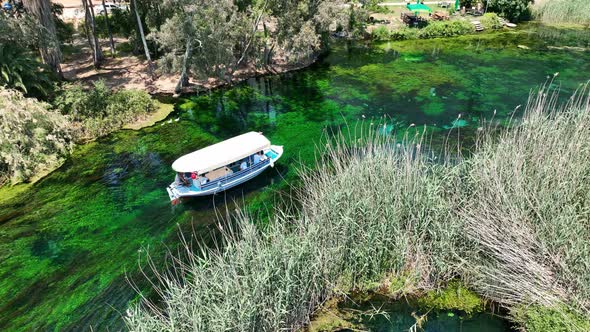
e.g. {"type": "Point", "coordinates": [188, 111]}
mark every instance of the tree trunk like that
{"type": "Point", "coordinates": [142, 34]}
{"type": "Point", "coordinates": [49, 48]}
{"type": "Point", "coordinates": [91, 30]}
{"type": "Point", "coordinates": [106, 18]}
{"type": "Point", "coordinates": [98, 49]}
{"type": "Point", "coordinates": [183, 80]}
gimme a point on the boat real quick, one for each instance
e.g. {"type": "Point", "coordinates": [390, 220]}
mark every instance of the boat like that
{"type": "Point", "coordinates": [221, 166]}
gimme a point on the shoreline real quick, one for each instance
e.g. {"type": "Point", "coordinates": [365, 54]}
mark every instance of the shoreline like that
{"type": "Point", "coordinates": [164, 109]}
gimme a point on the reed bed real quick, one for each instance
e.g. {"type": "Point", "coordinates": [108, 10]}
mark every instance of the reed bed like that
{"type": "Point", "coordinates": [563, 11]}
{"type": "Point", "coordinates": [528, 206]}
{"type": "Point", "coordinates": [511, 222]}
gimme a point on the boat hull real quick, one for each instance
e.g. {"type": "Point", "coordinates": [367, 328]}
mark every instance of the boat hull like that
{"type": "Point", "coordinates": [175, 191]}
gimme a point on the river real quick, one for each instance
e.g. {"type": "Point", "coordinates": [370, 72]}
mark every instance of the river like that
{"type": "Point", "coordinates": [69, 242]}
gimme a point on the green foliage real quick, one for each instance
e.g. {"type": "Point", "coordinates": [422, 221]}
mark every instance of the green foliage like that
{"type": "Point", "coordinates": [19, 69]}
{"type": "Point", "coordinates": [491, 21]}
{"type": "Point", "coordinates": [33, 138]}
{"type": "Point", "coordinates": [563, 11]}
{"type": "Point", "coordinates": [514, 10]}
{"type": "Point", "coordinates": [446, 29]}
{"type": "Point", "coordinates": [65, 31]}
{"type": "Point", "coordinates": [121, 22]}
{"type": "Point", "coordinates": [100, 110]}
{"type": "Point", "coordinates": [381, 33]}
{"type": "Point", "coordinates": [432, 30]}
{"type": "Point", "coordinates": [296, 30]}
{"type": "Point", "coordinates": [514, 214]}
{"type": "Point", "coordinates": [373, 6]}
{"type": "Point", "coordinates": [404, 33]}
{"type": "Point", "coordinates": [537, 318]}
{"type": "Point", "coordinates": [453, 297]}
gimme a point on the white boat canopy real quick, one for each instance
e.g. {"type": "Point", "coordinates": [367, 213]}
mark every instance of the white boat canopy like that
{"type": "Point", "coordinates": [222, 153]}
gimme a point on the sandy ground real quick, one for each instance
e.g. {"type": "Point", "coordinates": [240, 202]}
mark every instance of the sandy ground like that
{"type": "Point", "coordinates": [70, 3]}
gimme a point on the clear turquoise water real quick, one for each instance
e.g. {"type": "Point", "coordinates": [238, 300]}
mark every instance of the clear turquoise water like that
{"type": "Point", "coordinates": [381, 315]}
{"type": "Point", "coordinates": [69, 242]}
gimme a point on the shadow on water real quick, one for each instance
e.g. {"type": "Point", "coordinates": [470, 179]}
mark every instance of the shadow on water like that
{"type": "Point", "coordinates": [68, 242]}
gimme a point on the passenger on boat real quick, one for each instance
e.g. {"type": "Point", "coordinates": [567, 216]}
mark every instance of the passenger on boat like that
{"type": "Point", "coordinates": [183, 179]}
{"type": "Point", "coordinates": [243, 165]}
{"type": "Point", "coordinates": [258, 157]}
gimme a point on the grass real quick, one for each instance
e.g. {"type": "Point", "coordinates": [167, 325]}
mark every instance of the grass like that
{"type": "Point", "coordinates": [161, 113]}
{"type": "Point", "coordinates": [510, 222]}
{"type": "Point", "coordinates": [563, 11]}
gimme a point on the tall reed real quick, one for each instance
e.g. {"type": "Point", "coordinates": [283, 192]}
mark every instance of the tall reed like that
{"type": "Point", "coordinates": [563, 11]}
{"type": "Point", "coordinates": [528, 206]}
{"type": "Point", "coordinates": [511, 221]}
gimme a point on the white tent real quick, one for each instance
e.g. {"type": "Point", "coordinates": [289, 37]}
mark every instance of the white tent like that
{"type": "Point", "coordinates": [222, 153]}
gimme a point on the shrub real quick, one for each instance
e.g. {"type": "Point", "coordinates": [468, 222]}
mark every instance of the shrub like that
{"type": "Point", "coordinates": [404, 33]}
{"type": "Point", "coordinates": [100, 110]}
{"type": "Point", "coordinates": [514, 10]}
{"type": "Point", "coordinates": [121, 23]}
{"type": "Point", "coordinates": [491, 21]}
{"type": "Point", "coordinates": [446, 29]}
{"type": "Point", "coordinates": [20, 70]}
{"type": "Point", "coordinates": [536, 318]}
{"type": "Point", "coordinates": [33, 138]}
{"type": "Point", "coordinates": [381, 33]}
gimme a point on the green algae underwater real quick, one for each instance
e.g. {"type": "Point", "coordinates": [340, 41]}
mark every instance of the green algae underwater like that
{"type": "Point", "coordinates": [70, 243]}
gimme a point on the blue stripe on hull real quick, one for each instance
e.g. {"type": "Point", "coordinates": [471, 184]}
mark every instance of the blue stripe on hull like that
{"type": "Point", "coordinates": [224, 183]}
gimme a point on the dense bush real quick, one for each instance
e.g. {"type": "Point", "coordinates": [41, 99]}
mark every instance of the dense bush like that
{"type": "Point", "coordinates": [491, 21]}
{"type": "Point", "coordinates": [65, 30]}
{"type": "Point", "coordinates": [559, 318]}
{"type": "Point", "coordinates": [381, 33]}
{"type": "Point", "coordinates": [121, 23]}
{"type": "Point", "coordinates": [446, 29]}
{"type": "Point", "coordinates": [511, 221]}
{"type": "Point", "coordinates": [434, 29]}
{"type": "Point", "coordinates": [404, 33]}
{"type": "Point", "coordinates": [33, 138]}
{"type": "Point", "coordinates": [514, 10]}
{"type": "Point", "coordinates": [100, 110]}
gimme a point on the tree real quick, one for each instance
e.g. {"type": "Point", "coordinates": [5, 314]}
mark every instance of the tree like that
{"type": "Point", "coordinates": [216, 38]}
{"type": "Point", "coordinates": [514, 10]}
{"type": "Point", "coordinates": [90, 27]}
{"type": "Point", "coordinates": [32, 136]}
{"type": "Point", "coordinates": [143, 40]}
{"type": "Point", "coordinates": [108, 24]}
{"type": "Point", "coordinates": [49, 46]}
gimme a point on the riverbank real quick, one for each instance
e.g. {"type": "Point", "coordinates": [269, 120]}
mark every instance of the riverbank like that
{"type": "Point", "coordinates": [127, 71]}
{"type": "Point", "coordinates": [487, 219]}
{"type": "Point", "coordinates": [71, 242]}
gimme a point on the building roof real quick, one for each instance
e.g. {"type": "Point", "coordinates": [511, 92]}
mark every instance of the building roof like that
{"type": "Point", "coordinates": [222, 153]}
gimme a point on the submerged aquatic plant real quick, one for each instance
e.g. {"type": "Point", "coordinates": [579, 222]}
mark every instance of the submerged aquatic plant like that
{"type": "Point", "coordinates": [511, 222]}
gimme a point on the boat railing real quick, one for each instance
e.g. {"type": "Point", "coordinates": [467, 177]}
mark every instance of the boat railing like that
{"type": "Point", "coordinates": [235, 175]}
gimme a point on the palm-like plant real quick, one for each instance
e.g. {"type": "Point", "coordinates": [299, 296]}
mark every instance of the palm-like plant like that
{"type": "Point", "coordinates": [21, 70]}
